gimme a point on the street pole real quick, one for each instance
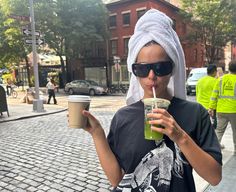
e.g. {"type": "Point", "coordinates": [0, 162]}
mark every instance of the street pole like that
{"type": "Point", "coordinates": [37, 103]}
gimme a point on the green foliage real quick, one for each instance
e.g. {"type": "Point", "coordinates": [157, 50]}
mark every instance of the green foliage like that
{"type": "Point", "coordinates": [7, 76]}
{"type": "Point", "coordinates": [12, 48]}
{"type": "Point", "coordinates": [69, 26]}
{"type": "Point", "coordinates": [214, 21]}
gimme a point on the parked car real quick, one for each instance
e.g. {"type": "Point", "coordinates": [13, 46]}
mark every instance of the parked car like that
{"type": "Point", "coordinates": [85, 87]}
{"type": "Point", "coordinates": [193, 77]}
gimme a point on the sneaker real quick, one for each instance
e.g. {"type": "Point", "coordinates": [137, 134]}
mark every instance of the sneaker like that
{"type": "Point", "coordinates": [222, 146]}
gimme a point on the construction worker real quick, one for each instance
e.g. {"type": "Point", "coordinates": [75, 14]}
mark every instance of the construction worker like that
{"type": "Point", "coordinates": [204, 89]}
{"type": "Point", "coordinates": [223, 99]}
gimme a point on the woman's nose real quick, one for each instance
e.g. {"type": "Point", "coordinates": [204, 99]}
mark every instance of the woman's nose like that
{"type": "Point", "coordinates": [151, 75]}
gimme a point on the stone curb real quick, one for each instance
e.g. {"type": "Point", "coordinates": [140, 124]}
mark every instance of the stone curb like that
{"type": "Point", "coordinates": [32, 116]}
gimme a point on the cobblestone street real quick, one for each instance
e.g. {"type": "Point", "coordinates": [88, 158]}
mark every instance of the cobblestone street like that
{"type": "Point", "coordinates": [42, 154]}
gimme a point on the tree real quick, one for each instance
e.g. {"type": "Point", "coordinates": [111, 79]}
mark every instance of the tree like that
{"type": "Point", "coordinates": [72, 26]}
{"type": "Point", "coordinates": [214, 22]}
{"type": "Point", "coordinates": [12, 47]}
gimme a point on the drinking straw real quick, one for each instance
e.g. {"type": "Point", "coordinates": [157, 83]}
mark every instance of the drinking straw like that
{"type": "Point", "coordinates": [154, 92]}
{"type": "Point", "coordinates": [154, 96]}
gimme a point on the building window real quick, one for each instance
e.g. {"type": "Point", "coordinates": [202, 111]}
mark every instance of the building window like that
{"type": "Point", "coordinates": [114, 47]}
{"type": "Point", "coordinates": [124, 73]}
{"type": "Point", "coordinates": [140, 13]}
{"type": "Point", "coordinates": [195, 55]}
{"type": "Point", "coordinates": [126, 42]}
{"type": "Point", "coordinates": [120, 75]}
{"type": "Point", "coordinates": [112, 21]}
{"type": "Point", "coordinates": [126, 19]}
{"type": "Point", "coordinates": [174, 24]}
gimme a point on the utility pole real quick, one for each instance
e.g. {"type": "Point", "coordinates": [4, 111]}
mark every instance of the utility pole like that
{"type": "Point", "coordinates": [37, 103]}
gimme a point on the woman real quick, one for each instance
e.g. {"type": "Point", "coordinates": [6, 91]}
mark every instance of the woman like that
{"type": "Point", "coordinates": [132, 163]}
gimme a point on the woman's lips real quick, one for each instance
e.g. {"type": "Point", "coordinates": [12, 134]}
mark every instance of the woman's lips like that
{"type": "Point", "coordinates": [150, 86]}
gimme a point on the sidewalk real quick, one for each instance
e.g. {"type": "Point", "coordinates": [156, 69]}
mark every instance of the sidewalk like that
{"type": "Point", "coordinates": [228, 178]}
{"type": "Point", "coordinates": [23, 110]}
{"type": "Point", "coordinates": [18, 110]}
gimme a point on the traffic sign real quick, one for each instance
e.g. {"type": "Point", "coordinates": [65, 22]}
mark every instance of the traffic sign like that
{"type": "Point", "coordinates": [38, 41]}
{"type": "Point", "coordinates": [29, 32]}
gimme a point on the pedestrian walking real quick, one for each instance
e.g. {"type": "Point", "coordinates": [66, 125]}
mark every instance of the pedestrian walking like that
{"type": "Point", "coordinates": [204, 89]}
{"type": "Point", "coordinates": [223, 100]}
{"type": "Point", "coordinates": [131, 162]}
{"type": "Point", "coordinates": [51, 86]}
{"type": "Point", "coordinates": [8, 87]}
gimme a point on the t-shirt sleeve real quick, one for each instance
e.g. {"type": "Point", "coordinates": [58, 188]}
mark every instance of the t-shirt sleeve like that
{"type": "Point", "coordinates": [207, 138]}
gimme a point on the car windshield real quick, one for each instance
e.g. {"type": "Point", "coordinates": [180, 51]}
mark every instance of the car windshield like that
{"type": "Point", "coordinates": [196, 76]}
{"type": "Point", "coordinates": [93, 83]}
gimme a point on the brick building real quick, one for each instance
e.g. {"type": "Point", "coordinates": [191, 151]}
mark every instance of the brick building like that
{"type": "Point", "coordinates": [108, 65]}
{"type": "Point", "coordinates": [123, 15]}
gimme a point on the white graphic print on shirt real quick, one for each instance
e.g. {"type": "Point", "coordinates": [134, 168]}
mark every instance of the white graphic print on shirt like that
{"type": "Point", "coordinates": [153, 173]}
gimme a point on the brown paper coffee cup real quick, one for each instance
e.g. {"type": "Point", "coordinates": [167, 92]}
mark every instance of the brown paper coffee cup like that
{"type": "Point", "coordinates": [76, 104]}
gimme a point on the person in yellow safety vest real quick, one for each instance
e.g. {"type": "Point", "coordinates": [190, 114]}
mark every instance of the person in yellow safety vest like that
{"type": "Point", "coordinates": [204, 89]}
{"type": "Point", "coordinates": [223, 99]}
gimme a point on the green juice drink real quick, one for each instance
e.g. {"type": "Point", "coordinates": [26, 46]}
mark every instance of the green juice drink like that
{"type": "Point", "coordinates": [149, 105]}
{"type": "Point", "coordinates": [149, 134]}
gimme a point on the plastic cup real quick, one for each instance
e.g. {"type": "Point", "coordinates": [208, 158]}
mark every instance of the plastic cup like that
{"type": "Point", "coordinates": [76, 104]}
{"type": "Point", "coordinates": [149, 105]}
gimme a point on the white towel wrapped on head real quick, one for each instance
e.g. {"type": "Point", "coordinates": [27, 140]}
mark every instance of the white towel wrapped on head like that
{"type": "Point", "coordinates": [156, 26]}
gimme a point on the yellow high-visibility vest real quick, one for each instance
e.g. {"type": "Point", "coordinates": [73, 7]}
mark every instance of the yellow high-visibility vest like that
{"type": "Point", "coordinates": [204, 88]}
{"type": "Point", "coordinates": [223, 97]}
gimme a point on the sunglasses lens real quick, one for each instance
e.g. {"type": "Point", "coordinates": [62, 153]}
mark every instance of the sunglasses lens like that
{"type": "Point", "coordinates": [140, 70]}
{"type": "Point", "coordinates": [162, 69]}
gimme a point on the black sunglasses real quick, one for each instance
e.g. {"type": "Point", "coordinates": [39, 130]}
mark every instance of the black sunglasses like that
{"type": "Point", "coordinates": [161, 68]}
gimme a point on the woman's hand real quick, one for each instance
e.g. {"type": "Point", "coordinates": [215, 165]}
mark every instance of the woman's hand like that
{"type": "Point", "coordinates": [171, 128]}
{"type": "Point", "coordinates": [93, 125]}
{"type": "Point", "coordinates": [203, 163]}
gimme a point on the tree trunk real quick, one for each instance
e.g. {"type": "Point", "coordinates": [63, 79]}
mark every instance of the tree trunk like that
{"type": "Point", "coordinates": [28, 71]}
{"type": "Point", "coordinates": [64, 78]}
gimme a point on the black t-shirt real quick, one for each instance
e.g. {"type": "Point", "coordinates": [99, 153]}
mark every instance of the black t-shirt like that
{"type": "Point", "coordinates": [126, 139]}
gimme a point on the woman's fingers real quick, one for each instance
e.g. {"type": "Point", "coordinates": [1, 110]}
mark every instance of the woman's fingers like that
{"type": "Point", "coordinates": [160, 111]}
{"type": "Point", "coordinates": [163, 122]}
{"type": "Point", "coordinates": [88, 115]}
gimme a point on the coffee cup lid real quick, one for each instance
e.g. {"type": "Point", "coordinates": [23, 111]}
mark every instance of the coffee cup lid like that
{"type": "Point", "coordinates": [79, 98]}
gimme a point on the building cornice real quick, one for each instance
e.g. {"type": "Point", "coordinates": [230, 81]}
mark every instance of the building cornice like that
{"type": "Point", "coordinates": [112, 3]}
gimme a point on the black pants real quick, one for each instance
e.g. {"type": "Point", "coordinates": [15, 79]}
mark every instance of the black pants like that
{"type": "Point", "coordinates": [51, 93]}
